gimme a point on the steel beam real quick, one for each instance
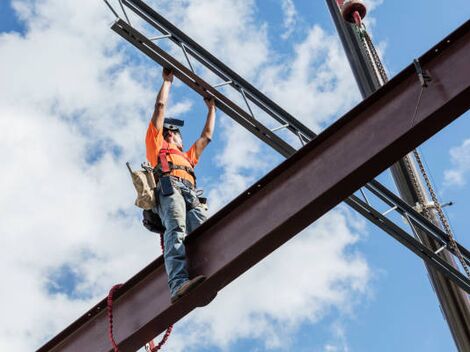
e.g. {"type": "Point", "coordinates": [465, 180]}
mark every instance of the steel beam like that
{"type": "Point", "coordinates": [249, 93]}
{"type": "Point", "coordinates": [454, 303]}
{"type": "Point", "coordinates": [345, 156]}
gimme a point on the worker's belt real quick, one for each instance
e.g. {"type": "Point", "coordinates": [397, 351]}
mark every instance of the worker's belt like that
{"type": "Point", "coordinates": [158, 170]}
{"type": "Point", "coordinates": [184, 181]}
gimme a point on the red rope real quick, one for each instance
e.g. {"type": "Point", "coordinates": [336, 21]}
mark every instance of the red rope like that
{"type": "Point", "coordinates": [151, 344]}
{"type": "Point", "coordinates": [110, 316]}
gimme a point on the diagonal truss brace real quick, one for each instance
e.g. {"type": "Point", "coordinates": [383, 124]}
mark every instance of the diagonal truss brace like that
{"type": "Point", "coordinates": [345, 156]}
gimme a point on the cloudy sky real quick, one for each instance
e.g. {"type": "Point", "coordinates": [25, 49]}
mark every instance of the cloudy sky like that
{"type": "Point", "coordinates": [75, 100]}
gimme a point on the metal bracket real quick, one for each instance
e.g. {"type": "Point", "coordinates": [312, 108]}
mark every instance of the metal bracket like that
{"type": "Point", "coordinates": [423, 75]}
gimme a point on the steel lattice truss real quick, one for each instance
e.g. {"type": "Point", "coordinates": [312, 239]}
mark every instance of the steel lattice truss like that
{"type": "Point", "coordinates": [142, 307]}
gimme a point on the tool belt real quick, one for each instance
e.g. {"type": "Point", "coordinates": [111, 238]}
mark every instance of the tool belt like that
{"type": "Point", "coordinates": [147, 198]}
{"type": "Point", "coordinates": [158, 172]}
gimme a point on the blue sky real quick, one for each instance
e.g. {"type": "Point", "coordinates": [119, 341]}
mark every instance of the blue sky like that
{"type": "Point", "coordinates": [80, 98]}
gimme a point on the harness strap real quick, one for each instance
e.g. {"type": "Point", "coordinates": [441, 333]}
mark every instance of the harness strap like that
{"type": "Point", "coordinates": [165, 167]}
{"type": "Point", "coordinates": [159, 172]}
{"type": "Point", "coordinates": [162, 156]}
{"type": "Point", "coordinates": [168, 151]}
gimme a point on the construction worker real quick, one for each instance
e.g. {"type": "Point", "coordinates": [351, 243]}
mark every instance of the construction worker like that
{"type": "Point", "coordinates": [177, 202]}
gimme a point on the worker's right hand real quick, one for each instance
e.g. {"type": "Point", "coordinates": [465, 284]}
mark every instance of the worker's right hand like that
{"type": "Point", "coordinates": [167, 74]}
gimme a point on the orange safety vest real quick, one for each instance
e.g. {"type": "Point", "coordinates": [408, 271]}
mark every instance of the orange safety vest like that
{"type": "Point", "coordinates": [164, 166]}
{"type": "Point", "coordinates": [181, 164]}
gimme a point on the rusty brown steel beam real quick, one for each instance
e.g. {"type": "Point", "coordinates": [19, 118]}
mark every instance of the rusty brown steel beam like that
{"type": "Point", "coordinates": [345, 156]}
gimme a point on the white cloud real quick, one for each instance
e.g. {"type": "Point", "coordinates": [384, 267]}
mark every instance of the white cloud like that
{"type": "Point", "coordinates": [316, 84]}
{"type": "Point", "coordinates": [372, 4]}
{"type": "Point", "coordinates": [229, 31]}
{"type": "Point", "coordinates": [339, 344]}
{"type": "Point", "coordinates": [74, 105]}
{"type": "Point", "coordinates": [290, 14]}
{"type": "Point", "coordinates": [56, 213]}
{"type": "Point", "coordinates": [460, 159]}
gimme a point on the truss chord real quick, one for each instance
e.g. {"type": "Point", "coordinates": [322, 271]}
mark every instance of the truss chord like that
{"type": "Point", "coordinates": [280, 117]}
{"type": "Point", "coordinates": [411, 243]}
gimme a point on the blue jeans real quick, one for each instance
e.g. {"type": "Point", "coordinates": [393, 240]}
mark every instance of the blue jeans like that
{"type": "Point", "coordinates": [181, 213]}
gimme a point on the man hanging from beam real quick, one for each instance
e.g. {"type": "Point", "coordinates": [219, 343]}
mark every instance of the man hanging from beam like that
{"type": "Point", "coordinates": [178, 205]}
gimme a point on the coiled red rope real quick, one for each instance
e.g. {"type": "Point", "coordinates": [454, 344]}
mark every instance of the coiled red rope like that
{"type": "Point", "coordinates": [151, 347]}
{"type": "Point", "coordinates": [151, 344]}
{"type": "Point", "coordinates": [110, 316]}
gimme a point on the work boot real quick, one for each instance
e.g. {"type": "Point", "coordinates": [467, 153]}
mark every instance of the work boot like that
{"type": "Point", "coordinates": [187, 287]}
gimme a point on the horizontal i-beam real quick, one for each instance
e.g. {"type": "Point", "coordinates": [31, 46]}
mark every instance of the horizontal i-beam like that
{"type": "Point", "coordinates": [352, 151]}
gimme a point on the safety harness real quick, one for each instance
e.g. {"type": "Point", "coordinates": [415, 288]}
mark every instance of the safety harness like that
{"type": "Point", "coordinates": [164, 166]}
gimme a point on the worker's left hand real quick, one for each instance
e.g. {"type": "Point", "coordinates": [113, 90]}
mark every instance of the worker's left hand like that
{"type": "Point", "coordinates": [210, 102]}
